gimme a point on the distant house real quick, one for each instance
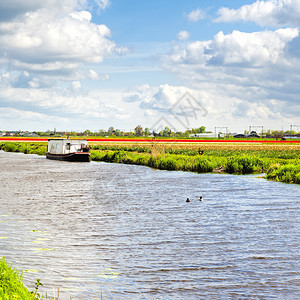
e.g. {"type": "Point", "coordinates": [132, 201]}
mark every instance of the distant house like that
{"type": "Point", "coordinates": [291, 136]}
{"type": "Point", "coordinates": [203, 135]}
{"type": "Point", "coordinates": [29, 134]}
{"type": "Point", "coordinates": [240, 136]}
{"type": "Point", "coordinates": [253, 134]}
{"type": "Point", "coordinates": [33, 134]}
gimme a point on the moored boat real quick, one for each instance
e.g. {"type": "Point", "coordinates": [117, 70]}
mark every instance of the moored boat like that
{"type": "Point", "coordinates": [68, 150]}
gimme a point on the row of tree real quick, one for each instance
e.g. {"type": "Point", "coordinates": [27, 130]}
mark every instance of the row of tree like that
{"type": "Point", "coordinates": [139, 131]}
{"type": "Point", "coordinates": [146, 132]}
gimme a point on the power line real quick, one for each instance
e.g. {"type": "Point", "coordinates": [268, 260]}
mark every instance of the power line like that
{"type": "Point", "coordinates": [226, 130]}
{"type": "Point", "coordinates": [256, 126]}
{"type": "Point", "coordinates": [291, 127]}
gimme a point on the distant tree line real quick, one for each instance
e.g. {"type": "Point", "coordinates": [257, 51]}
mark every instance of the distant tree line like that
{"type": "Point", "coordinates": [138, 131]}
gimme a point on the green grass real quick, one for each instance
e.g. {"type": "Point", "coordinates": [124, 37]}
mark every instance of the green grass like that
{"type": "Point", "coordinates": [279, 154]}
{"type": "Point", "coordinates": [27, 148]}
{"type": "Point", "coordinates": [246, 164]}
{"type": "Point", "coordinates": [289, 173]}
{"type": "Point", "coordinates": [232, 161]}
{"type": "Point", "coordinates": [11, 284]}
{"type": "Point", "coordinates": [161, 161]}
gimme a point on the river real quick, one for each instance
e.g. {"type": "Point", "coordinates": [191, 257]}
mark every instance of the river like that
{"type": "Point", "coordinates": [113, 231]}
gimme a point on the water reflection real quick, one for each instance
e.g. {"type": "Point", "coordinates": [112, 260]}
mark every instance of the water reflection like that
{"type": "Point", "coordinates": [126, 232]}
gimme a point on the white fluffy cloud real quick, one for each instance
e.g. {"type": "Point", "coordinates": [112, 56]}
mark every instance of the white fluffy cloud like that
{"type": "Point", "coordinates": [256, 73]}
{"type": "Point", "coordinates": [183, 35]}
{"type": "Point", "coordinates": [43, 42]}
{"type": "Point", "coordinates": [196, 15]}
{"type": "Point", "coordinates": [245, 74]}
{"type": "Point", "coordinates": [238, 48]}
{"type": "Point", "coordinates": [103, 3]}
{"type": "Point", "coordinates": [41, 108]}
{"type": "Point", "coordinates": [264, 13]}
{"type": "Point", "coordinates": [46, 48]}
{"type": "Point", "coordinates": [177, 107]}
{"type": "Point", "coordinates": [12, 8]}
{"type": "Point", "coordinates": [52, 37]}
{"type": "Point", "coordinates": [159, 98]}
{"type": "Point", "coordinates": [262, 111]}
{"type": "Point", "coordinates": [166, 98]}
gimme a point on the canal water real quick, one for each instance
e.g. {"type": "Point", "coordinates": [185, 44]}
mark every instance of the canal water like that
{"type": "Point", "coordinates": [113, 231]}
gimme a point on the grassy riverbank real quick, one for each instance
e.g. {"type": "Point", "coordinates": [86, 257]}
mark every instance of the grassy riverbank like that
{"type": "Point", "coordinates": [11, 284]}
{"type": "Point", "coordinates": [279, 162]}
{"type": "Point", "coordinates": [27, 148]}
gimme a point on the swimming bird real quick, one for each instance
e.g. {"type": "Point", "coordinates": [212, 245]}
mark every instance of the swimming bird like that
{"type": "Point", "coordinates": [200, 198]}
{"type": "Point", "coordinates": [187, 200]}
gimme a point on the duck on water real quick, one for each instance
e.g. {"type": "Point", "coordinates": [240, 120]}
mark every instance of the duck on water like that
{"type": "Point", "coordinates": [188, 199]}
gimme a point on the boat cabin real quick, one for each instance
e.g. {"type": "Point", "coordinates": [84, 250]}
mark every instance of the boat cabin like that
{"type": "Point", "coordinates": [68, 149]}
{"type": "Point", "coordinates": [66, 146]}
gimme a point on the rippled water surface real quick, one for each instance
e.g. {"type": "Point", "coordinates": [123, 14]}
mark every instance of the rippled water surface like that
{"type": "Point", "coordinates": [126, 232]}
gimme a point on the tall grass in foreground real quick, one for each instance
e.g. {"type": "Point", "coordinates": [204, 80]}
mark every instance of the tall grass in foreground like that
{"type": "Point", "coordinates": [11, 284]}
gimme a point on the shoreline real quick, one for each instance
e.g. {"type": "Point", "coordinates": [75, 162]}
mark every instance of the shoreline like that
{"type": "Point", "coordinates": [238, 162]}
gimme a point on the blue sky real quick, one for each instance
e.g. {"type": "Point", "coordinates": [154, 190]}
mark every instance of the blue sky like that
{"type": "Point", "coordinates": [159, 21]}
{"type": "Point", "coordinates": [92, 64]}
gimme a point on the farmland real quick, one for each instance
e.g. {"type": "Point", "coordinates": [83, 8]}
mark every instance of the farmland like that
{"type": "Point", "coordinates": [279, 161]}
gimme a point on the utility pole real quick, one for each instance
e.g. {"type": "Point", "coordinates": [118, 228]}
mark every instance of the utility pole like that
{"type": "Point", "coordinates": [226, 130]}
{"type": "Point", "coordinates": [292, 126]}
{"type": "Point", "coordinates": [256, 126]}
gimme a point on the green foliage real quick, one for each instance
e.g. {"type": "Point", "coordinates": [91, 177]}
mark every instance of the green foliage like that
{"type": "Point", "coordinates": [97, 155]}
{"type": "Point", "coordinates": [278, 154]}
{"type": "Point", "coordinates": [138, 130]}
{"type": "Point", "coordinates": [166, 163]}
{"type": "Point", "coordinates": [197, 163]}
{"type": "Point", "coordinates": [238, 164]}
{"type": "Point", "coordinates": [204, 164]}
{"type": "Point", "coordinates": [35, 294]}
{"type": "Point", "coordinates": [27, 148]}
{"type": "Point", "coordinates": [9, 147]}
{"type": "Point", "coordinates": [116, 148]}
{"type": "Point", "coordinates": [11, 284]}
{"type": "Point", "coordinates": [289, 173]}
{"type": "Point", "coordinates": [245, 164]}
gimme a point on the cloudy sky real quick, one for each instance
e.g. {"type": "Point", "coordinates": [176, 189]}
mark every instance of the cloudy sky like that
{"type": "Point", "coordinates": [92, 64]}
